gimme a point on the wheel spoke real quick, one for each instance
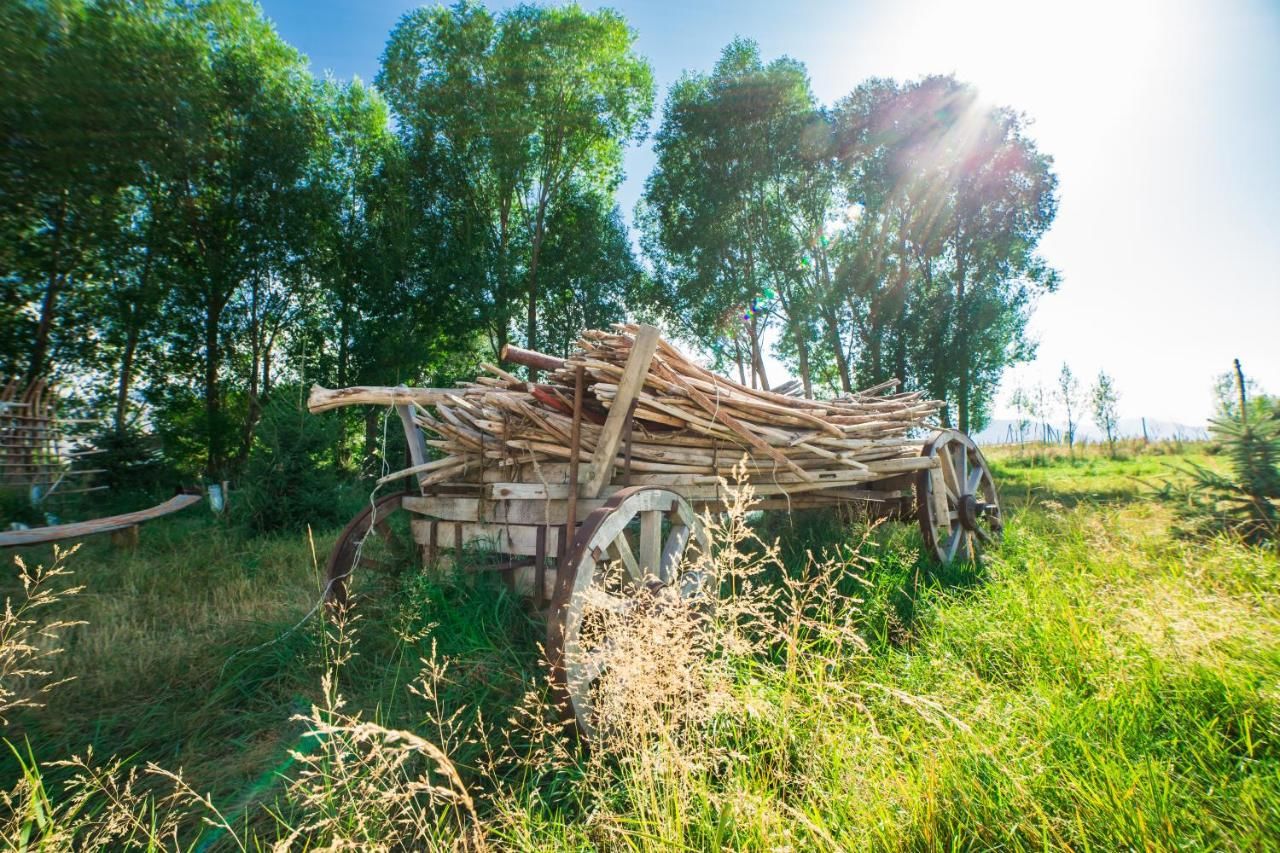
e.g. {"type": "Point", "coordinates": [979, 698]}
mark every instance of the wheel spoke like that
{"type": "Point", "coordinates": [975, 480]}
{"type": "Point", "coordinates": [953, 543]}
{"type": "Point", "coordinates": [949, 475]}
{"type": "Point", "coordinates": [592, 666]}
{"type": "Point", "coordinates": [673, 551]}
{"type": "Point", "coordinates": [608, 603]}
{"type": "Point", "coordinates": [621, 549]}
{"type": "Point", "coordinates": [651, 542]}
{"type": "Point", "coordinates": [961, 454]}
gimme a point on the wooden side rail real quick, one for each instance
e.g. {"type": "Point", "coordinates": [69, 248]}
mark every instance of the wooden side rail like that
{"type": "Point", "coordinates": [78, 530]}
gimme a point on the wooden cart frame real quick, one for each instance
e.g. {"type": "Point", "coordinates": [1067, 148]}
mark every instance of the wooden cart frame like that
{"type": "Point", "coordinates": [553, 528]}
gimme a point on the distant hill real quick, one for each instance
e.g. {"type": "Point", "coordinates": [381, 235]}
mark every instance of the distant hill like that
{"type": "Point", "coordinates": [1004, 431]}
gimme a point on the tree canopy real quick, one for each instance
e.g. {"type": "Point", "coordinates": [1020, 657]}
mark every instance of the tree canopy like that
{"type": "Point", "coordinates": [191, 221]}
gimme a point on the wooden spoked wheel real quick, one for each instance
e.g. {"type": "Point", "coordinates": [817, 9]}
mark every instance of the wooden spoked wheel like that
{"type": "Point", "coordinates": [627, 555]}
{"type": "Point", "coordinates": [956, 501]}
{"type": "Point", "coordinates": [372, 548]}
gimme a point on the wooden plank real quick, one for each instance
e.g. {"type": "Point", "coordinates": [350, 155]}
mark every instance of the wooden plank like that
{"type": "Point", "coordinates": [646, 342]}
{"type": "Point", "coordinates": [453, 509]}
{"type": "Point", "coordinates": [57, 533]}
{"type": "Point", "coordinates": [575, 442]}
{"type": "Point", "coordinates": [938, 487]}
{"type": "Point", "coordinates": [651, 541]}
{"type": "Point", "coordinates": [416, 440]}
{"type": "Point", "coordinates": [517, 539]}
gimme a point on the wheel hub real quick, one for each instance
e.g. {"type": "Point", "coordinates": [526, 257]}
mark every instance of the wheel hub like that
{"type": "Point", "coordinates": [970, 510]}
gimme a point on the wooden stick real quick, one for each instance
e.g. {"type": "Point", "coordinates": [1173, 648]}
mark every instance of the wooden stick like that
{"type": "Point", "coordinates": [575, 439]}
{"type": "Point", "coordinates": [530, 358]}
{"type": "Point", "coordinates": [646, 342]}
{"type": "Point", "coordinates": [323, 399]}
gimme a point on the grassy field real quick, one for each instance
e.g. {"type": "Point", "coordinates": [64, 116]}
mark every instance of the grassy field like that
{"type": "Point", "coordinates": [1097, 684]}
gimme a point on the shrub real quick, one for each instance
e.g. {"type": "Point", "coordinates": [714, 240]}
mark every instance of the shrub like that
{"type": "Point", "coordinates": [289, 480]}
{"type": "Point", "coordinates": [1245, 502]}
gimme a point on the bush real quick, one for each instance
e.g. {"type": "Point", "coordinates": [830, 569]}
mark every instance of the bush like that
{"type": "Point", "coordinates": [1245, 502]}
{"type": "Point", "coordinates": [133, 464]}
{"type": "Point", "coordinates": [290, 480]}
{"type": "Point", "coordinates": [15, 506]}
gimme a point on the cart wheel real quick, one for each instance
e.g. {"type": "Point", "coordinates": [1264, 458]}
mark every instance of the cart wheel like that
{"type": "Point", "coordinates": [956, 502]}
{"type": "Point", "coordinates": [627, 553]}
{"type": "Point", "coordinates": [387, 552]}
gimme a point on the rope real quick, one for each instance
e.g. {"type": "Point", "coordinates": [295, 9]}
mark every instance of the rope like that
{"type": "Point", "coordinates": [328, 587]}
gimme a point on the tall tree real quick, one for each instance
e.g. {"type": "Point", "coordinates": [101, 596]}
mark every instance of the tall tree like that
{"type": "Point", "coordinates": [1104, 403]}
{"type": "Point", "coordinates": [1069, 396]}
{"type": "Point", "coordinates": [733, 207]}
{"type": "Point", "coordinates": [942, 267]}
{"type": "Point", "coordinates": [513, 112]}
{"type": "Point", "coordinates": [244, 171]}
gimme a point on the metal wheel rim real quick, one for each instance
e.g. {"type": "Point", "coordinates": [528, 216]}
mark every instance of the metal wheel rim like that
{"type": "Point", "coordinates": [346, 556]}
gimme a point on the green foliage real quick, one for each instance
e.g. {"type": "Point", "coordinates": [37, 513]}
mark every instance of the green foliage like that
{"type": "Point", "coordinates": [290, 480]}
{"type": "Point", "coordinates": [1244, 501]}
{"type": "Point", "coordinates": [892, 235]}
{"type": "Point", "coordinates": [15, 506]}
{"type": "Point", "coordinates": [1104, 403]}
{"type": "Point", "coordinates": [508, 118]}
{"type": "Point", "coordinates": [1100, 686]}
{"type": "Point", "coordinates": [133, 463]}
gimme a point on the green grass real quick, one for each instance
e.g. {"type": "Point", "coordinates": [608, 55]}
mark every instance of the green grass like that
{"type": "Point", "coordinates": [1097, 684]}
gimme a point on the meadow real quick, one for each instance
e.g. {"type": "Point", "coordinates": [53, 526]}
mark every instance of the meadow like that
{"type": "Point", "coordinates": [1097, 683]}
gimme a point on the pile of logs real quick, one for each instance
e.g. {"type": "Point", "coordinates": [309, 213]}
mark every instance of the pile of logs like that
{"type": "Point", "coordinates": [687, 426]}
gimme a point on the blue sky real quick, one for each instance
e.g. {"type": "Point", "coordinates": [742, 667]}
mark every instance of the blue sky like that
{"type": "Point", "coordinates": [1163, 117]}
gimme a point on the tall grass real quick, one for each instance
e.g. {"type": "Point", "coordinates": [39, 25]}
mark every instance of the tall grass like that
{"type": "Point", "coordinates": [1096, 684]}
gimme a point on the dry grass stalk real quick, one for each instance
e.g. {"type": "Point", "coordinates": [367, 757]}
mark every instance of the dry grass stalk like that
{"type": "Point", "coordinates": [27, 644]}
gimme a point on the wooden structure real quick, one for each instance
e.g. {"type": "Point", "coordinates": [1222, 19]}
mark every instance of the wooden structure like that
{"type": "Point", "coordinates": [111, 524]}
{"type": "Point", "coordinates": [35, 460]}
{"type": "Point", "coordinates": [585, 491]}
{"type": "Point", "coordinates": [33, 455]}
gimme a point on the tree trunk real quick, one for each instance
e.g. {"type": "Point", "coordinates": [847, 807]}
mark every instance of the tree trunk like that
{"type": "Point", "coordinates": [757, 357]}
{"type": "Point", "coordinates": [126, 377]}
{"type": "Point", "coordinates": [802, 357]}
{"type": "Point", "coordinates": [212, 399]}
{"type": "Point", "coordinates": [48, 305]}
{"type": "Point", "coordinates": [962, 333]}
{"type": "Point", "coordinates": [535, 252]}
{"type": "Point", "coordinates": [837, 347]}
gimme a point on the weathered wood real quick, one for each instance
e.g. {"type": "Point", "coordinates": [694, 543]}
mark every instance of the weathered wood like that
{"type": "Point", "coordinates": [575, 443]}
{"type": "Point", "coordinates": [530, 358]}
{"type": "Point", "coordinates": [646, 342]}
{"type": "Point", "coordinates": [79, 530]}
{"type": "Point", "coordinates": [417, 442]}
{"type": "Point", "coordinates": [516, 539]}
{"type": "Point", "coordinates": [323, 399]}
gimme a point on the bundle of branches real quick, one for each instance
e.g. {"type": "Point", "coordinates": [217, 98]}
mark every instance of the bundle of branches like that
{"type": "Point", "coordinates": [688, 424]}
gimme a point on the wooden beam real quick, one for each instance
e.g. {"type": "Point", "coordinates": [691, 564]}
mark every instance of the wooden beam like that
{"type": "Point", "coordinates": [79, 530]}
{"type": "Point", "coordinates": [324, 399]}
{"type": "Point", "coordinates": [646, 342]}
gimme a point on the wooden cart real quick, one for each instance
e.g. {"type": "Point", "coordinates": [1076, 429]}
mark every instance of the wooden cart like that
{"type": "Point", "coordinates": [563, 532]}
